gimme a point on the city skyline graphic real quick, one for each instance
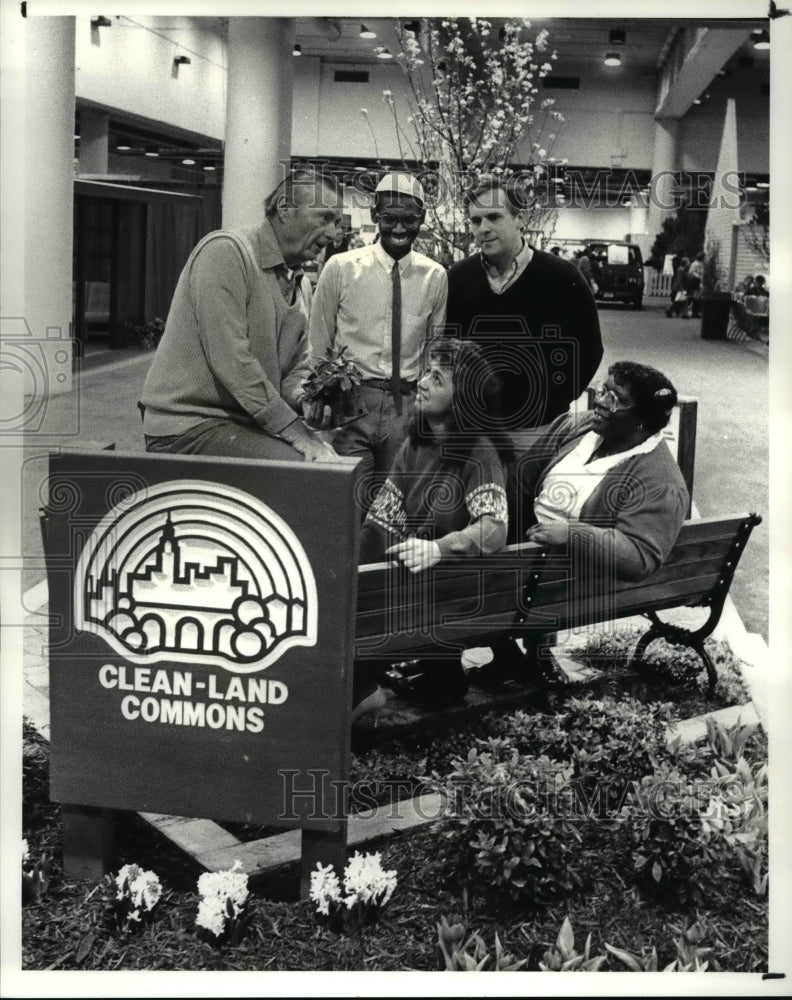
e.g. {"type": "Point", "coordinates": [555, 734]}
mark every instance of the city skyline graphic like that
{"type": "Point", "coordinates": [196, 572]}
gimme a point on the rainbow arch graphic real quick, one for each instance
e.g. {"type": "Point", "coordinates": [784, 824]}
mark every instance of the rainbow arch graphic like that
{"type": "Point", "coordinates": [196, 572]}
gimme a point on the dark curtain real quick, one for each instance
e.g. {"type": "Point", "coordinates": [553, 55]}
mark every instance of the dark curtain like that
{"type": "Point", "coordinates": [172, 230]}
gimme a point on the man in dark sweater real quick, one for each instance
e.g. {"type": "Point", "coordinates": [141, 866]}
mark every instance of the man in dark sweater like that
{"type": "Point", "coordinates": [534, 316]}
{"type": "Point", "coordinates": [531, 312]}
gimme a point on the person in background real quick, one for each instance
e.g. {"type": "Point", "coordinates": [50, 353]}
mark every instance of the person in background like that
{"type": "Point", "coordinates": [556, 251]}
{"type": "Point", "coordinates": [679, 295]}
{"type": "Point", "coordinates": [453, 450]}
{"type": "Point", "coordinates": [382, 302]}
{"type": "Point", "coordinates": [760, 286]}
{"type": "Point", "coordinates": [536, 321]}
{"type": "Point", "coordinates": [694, 275]}
{"type": "Point", "coordinates": [227, 378]}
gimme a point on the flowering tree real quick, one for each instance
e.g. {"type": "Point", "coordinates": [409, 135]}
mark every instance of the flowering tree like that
{"type": "Point", "coordinates": [471, 94]}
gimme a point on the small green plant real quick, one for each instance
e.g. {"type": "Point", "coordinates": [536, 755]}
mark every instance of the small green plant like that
{"type": "Point", "coordinates": [35, 876]}
{"type": "Point", "coordinates": [148, 335]}
{"type": "Point", "coordinates": [335, 381]}
{"type": "Point", "coordinates": [690, 956]}
{"type": "Point", "coordinates": [729, 742]}
{"type": "Point", "coordinates": [562, 957]}
{"type": "Point", "coordinates": [672, 845]}
{"type": "Point", "coordinates": [461, 954]}
{"type": "Point", "coordinates": [509, 815]}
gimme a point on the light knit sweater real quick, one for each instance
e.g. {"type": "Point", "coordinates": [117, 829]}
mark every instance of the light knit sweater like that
{"type": "Point", "coordinates": [233, 347]}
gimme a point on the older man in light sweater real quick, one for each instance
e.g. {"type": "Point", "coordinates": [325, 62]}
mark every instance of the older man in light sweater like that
{"type": "Point", "coordinates": [228, 375]}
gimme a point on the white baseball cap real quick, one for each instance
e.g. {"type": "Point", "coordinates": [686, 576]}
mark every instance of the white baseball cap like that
{"type": "Point", "coordinates": [401, 183]}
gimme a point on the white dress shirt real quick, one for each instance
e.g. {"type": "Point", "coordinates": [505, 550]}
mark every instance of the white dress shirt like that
{"type": "Point", "coordinates": [352, 307]}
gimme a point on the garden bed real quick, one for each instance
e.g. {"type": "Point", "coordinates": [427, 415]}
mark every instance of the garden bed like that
{"type": "Point", "coordinates": [704, 907]}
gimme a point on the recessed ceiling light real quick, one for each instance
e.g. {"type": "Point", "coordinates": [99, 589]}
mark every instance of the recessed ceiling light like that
{"type": "Point", "coordinates": [367, 32]}
{"type": "Point", "coordinates": [613, 59]}
{"type": "Point", "coordinates": [762, 184]}
{"type": "Point", "coordinates": [188, 163]}
{"type": "Point", "coordinates": [151, 151]}
{"type": "Point", "coordinates": [123, 148]}
{"type": "Point", "coordinates": [617, 37]}
{"type": "Point", "coordinates": [383, 54]}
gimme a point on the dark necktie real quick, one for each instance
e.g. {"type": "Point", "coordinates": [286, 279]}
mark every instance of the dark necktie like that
{"type": "Point", "coordinates": [396, 340]}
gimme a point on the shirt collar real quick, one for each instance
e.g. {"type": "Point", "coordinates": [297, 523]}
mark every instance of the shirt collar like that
{"type": "Point", "coordinates": [517, 266]}
{"type": "Point", "coordinates": [387, 261]}
{"type": "Point", "coordinates": [265, 245]}
{"type": "Point", "coordinates": [591, 441]}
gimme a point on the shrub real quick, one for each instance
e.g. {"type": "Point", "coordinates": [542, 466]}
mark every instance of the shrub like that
{"type": "Point", "coordinates": [508, 814]}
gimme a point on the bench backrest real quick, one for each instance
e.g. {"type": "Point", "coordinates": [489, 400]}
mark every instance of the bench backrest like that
{"type": "Point", "coordinates": [466, 602]}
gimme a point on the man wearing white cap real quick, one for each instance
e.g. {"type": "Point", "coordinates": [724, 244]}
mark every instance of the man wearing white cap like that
{"type": "Point", "coordinates": [382, 302]}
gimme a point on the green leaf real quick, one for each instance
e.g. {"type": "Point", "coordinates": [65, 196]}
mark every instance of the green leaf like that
{"type": "Point", "coordinates": [657, 871]}
{"type": "Point", "coordinates": [565, 941]}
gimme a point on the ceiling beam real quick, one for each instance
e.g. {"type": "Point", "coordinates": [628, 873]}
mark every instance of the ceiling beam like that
{"type": "Point", "coordinates": [694, 58]}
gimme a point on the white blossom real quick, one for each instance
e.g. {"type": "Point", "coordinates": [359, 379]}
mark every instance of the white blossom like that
{"type": "Point", "coordinates": [212, 915]}
{"type": "Point", "coordinates": [366, 880]}
{"type": "Point", "coordinates": [142, 888]}
{"type": "Point", "coordinates": [25, 851]}
{"type": "Point", "coordinates": [325, 888]}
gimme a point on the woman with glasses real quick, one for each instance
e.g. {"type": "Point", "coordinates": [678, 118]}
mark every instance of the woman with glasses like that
{"type": "Point", "coordinates": [604, 487]}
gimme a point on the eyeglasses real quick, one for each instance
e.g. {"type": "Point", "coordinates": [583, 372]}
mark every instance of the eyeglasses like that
{"type": "Point", "coordinates": [610, 399]}
{"type": "Point", "coordinates": [406, 220]}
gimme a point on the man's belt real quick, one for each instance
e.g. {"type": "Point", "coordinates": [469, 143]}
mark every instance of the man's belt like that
{"type": "Point", "coordinates": [406, 385]}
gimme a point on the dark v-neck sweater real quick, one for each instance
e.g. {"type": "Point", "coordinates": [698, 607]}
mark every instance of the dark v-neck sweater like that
{"type": "Point", "coordinates": [542, 334]}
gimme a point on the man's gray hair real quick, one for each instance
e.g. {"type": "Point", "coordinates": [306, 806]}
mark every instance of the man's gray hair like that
{"type": "Point", "coordinates": [299, 177]}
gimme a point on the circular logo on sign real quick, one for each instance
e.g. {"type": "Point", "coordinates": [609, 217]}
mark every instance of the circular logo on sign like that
{"type": "Point", "coordinates": [196, 571]}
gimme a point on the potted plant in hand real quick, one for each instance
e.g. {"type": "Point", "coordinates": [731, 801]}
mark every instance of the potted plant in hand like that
{"type": "Point", "coordinates": [715, 300]}
{"type": "Point", "coordinates": [335, 382]}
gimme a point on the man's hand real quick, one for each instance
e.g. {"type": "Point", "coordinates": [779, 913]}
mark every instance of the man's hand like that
{"type": "Point", "coordinates": [314, 449]}
{"type": "Point", "coordinates": [556, 533]}
{"type": "Point", "coordinates": [316, 414]}
{"type": "Point", "coordinates": [416, 554]}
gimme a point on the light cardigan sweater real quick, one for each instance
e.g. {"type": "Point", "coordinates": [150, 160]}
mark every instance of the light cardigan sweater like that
{"type": "Point", "coordinates": [630, 522]}
{"type": "Point", "coordinates": [233, 347]}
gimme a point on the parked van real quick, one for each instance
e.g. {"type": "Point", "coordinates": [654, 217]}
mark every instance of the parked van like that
{"type": "Point", "coordinates": [617, 268]}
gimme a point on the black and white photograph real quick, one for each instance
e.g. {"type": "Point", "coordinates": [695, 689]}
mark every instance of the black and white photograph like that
{"type": "Point", "coordinates": [395, 550]}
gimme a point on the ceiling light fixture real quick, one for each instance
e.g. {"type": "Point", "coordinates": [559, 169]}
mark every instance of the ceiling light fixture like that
{"type": "Point", "coordinates": [101, 22]}
{"type": "Point", "coordinates": [188, 163]}
{"type": "Point", "coordinates": [761, 38]}
{"type": "Point", "coordinates": [182, 61]}
{"type": "Point", "coordinates": [383, 53]}
{"type": "Point", "coordinates": [613, 59]}
{"type": "Point", "coordinates": [151, 151]}
{"type": "Point", "coordinates": [122, 147]}
{"type": "Point", "coordinates": [617, 37]}
{"type": "Point", "coordinates": [763, 184]}
{"type": "Point", "coordinates": [209, 167]}
{"type": "Point", "coordinates": [297, 50]}
{"type": "Point", "coordinates": [367, 32]}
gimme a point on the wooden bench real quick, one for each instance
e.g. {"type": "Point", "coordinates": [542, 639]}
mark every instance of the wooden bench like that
{"type": "Point", "coordinates": [528, 589]}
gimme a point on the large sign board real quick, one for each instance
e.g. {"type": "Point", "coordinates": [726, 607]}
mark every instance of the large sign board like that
{"type": "Point", "coordinates": [201, 635]}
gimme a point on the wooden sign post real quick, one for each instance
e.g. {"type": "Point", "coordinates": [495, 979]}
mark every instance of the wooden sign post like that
{"type": "Point", "coordinates": [201, 638]}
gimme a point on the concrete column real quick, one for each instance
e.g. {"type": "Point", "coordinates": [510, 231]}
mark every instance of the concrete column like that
{"type": "Point", "coordinates": [258, 114]}
{"type": "Point", "coordinates": [664, 159]}
{"type": "Point", "coordinates": [93, 141]}
{"type": "Point", "coordinates": [49, 195]}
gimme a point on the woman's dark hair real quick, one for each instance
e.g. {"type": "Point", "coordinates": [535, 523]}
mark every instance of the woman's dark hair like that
{"type": "Point", "coordinates": [653, 394]}
{"type": "Point", "coordinates": [475, 401]}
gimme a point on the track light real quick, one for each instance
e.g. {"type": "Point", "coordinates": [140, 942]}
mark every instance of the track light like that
{"type": "Point", "coordinates": [613, 59]}
{"type": "Point", "coordinates": [761, 38]}
{"type": "Point", "coordinates": [367, 32]}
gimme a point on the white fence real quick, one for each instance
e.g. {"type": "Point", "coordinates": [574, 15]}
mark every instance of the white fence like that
{"type": "Point", "coordinates": [657, 283]}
